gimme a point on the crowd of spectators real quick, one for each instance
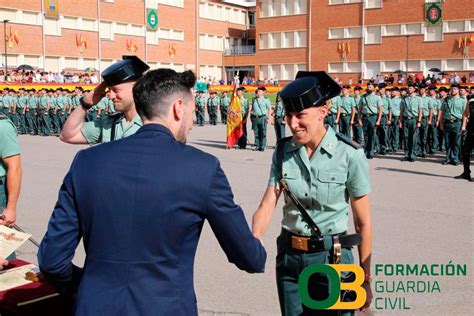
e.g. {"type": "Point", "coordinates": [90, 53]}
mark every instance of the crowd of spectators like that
{"type": "Point", "coordinates": [38, 76]}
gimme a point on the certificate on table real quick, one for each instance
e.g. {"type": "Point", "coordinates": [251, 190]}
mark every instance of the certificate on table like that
{"type": "Point", "coordinates": [11, 240]}
{"type": "Point", "coordinates": [16, 277]}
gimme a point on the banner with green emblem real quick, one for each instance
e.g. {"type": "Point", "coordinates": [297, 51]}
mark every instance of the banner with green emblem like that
{"type": "Point", "coordinates": [151, 19]}
{"type": "Point", "coordinates": [433, 14]}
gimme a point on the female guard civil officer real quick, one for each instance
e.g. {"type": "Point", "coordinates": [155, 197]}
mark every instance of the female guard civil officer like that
{"type": "Point", "coordinates": [324, 171]}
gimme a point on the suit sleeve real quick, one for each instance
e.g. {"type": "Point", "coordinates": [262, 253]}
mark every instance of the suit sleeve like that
{"type": "Point", "coordinates": [228, 223]}
{"type": "Point", "coordinates": [62, 237]}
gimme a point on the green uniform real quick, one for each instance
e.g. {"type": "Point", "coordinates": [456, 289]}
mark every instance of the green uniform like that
{"type": "Point", "coordinates": [411, 105]}
{"type": "Point", "coordinates": [347, 105]}
{"type": "Point", "coordinates": [200, 102]}
{"type": "Point", "coordinates": [323, 184]}
{"type": "Point", "coordinates": [32, 115]}
{"type": "Point", "coordinates": [382, 130]}
{"type": "Point", "coordinates": [225, 101]}
{"type": "Point", "coordinates": [453, 108]}
{"type": "Point", "coordinates": [53, 111]}
{"type": "Point", "coordinates": [20, 111]}
{"type": "Point", "coordinates": [369, 107]}
{"type": "Point", "coordinates": [244, 107]}
{"type": "Point", "coordinates": [331, 117]}
{"type": "Point", "coordinates": [434, 104]}
{"type": "Point", "coordinates": [422, 147]}
{"type": "Point", "coordinates": [279, 119]}
{"type": "Point", "coordinates": [102, 106]}
{"type": "Point", "coordinates": [44, 120]}
{"type": "Point", "coordinates": [212, 105]}
{"type": "Point", "coordinates": [260, 109]}
{"type": "Point", "coordinates": [100, 131]}
{"type": "Point", "coordinates": [357, 132]}
{"type": "Point", "coordinates": [394, 129]}
{"type": "Point", "coordinates": [3, 109]}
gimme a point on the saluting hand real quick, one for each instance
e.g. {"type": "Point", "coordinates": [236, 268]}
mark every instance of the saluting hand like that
{"type": "Point", "coordinates": [95, 95]}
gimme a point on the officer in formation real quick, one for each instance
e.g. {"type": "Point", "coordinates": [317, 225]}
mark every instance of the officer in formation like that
{"type": "Point", "coordinates": [224, 107]}
{"type": "Point", "coordinates": [450, 121]}
{"type": "Point", "coordinates": [279, 121]}
{"type": "Point", "coordinates": [370, 114]}
{"type": "Point", "coordinates": [212, 107]}
{"type": "Point", "coordinates": [346, 112]}
{"type": "Point", "coordinates": [200, 102]}
{"type": "Point", "coordinates": [260, 114]}
{"type": "Point", "coordinates": [468, 129]}
{"type": "Point", "coordinates": [382, 130]}
{"type": "Point", "coordinates": [37, 113]}
{"type": "Point", "coordinates": [357, 132]}
{"type": "Point", "coordinates": [434, 106]}
{"type": "Point", "coordinates": [119, 78]}
{"type": "Point", "coordinates": [422, 144]}
{"type": "Point", "coordinates": [394, 119]}
{"type": "Point", "coordinates": [410, 120]}
{"type": "Point", "coordinates": [245, 109]}
{"type": "Point", "coordinates": [334, 107]}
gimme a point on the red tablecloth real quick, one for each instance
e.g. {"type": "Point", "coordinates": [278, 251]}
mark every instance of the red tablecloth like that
{"type": "Point", "coordinates": [36, 298]}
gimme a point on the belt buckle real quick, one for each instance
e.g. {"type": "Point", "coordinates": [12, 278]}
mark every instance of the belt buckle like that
{"type": "Point", "coordinates": [300, 243]}
{"type": "Point", "coordinates": [337, 249]}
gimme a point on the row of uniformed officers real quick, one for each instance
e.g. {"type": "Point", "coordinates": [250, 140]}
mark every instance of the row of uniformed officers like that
{"type": "Point", "coordinates": [425, 119]}
{"type": "Point", "coordinates": [44, 112]}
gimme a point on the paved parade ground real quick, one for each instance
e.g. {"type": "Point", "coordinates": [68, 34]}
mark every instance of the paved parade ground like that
{"type": "Point", "coordinates": [421, 215]}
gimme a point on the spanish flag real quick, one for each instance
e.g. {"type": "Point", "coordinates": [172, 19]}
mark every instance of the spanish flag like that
{"type": "Point", "coordinates": [234, 120]}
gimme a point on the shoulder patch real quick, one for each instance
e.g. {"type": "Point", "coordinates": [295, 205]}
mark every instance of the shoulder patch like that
{"type": "Point", "coordinates": [348, 141]}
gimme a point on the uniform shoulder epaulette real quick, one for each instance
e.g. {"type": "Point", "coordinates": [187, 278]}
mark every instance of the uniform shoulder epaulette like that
{"type": "Point", "coordinates": [348, 141]}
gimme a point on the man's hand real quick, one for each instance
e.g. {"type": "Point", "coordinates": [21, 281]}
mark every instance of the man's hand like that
{"type": "Point", "coordinates": [360, 122]}
{"type": "Point", "coordinates": [95, 95]}
{"type": "Point", "coordinates": [8, 218]}
{"type": "Point", "coordinates": [3, 263]}
{"type": "Point", "coordinates": [418, 125]}
{"type": "Point", "coordinates": [377, 123]}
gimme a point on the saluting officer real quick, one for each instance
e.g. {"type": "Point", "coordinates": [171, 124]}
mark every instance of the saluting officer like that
{"type": "Point", "coordinates": [346, 112]}
{"type": "Point", "coordinates": [450, 119]}
{"type": "Point", "coordinates": [200, 102]}
{"type": "Point", "coordinates": [370, 114]}
{"type": "Point", "coordinates": [261, 112]}
{"type": "Point", "coordinates": [120, 79]}
{"type": "Point", "coordinates": [410, 120]}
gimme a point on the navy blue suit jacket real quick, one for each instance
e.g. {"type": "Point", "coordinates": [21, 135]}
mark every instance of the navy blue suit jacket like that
{"type": "Point", "coordinates": [139, 204]}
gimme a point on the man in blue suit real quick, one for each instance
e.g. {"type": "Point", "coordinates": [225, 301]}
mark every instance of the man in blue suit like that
{"type": "Point", "coordinates": [140, 215]}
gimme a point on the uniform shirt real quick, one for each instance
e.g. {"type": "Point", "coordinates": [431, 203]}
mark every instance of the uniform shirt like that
{"type": "Point", "coordinates": [75, 100]}
{"type": "Point", "coordinates": [200, 102]}
{"type": "Point", "coordinates": [335, 103]}
{"type": "Point", "coordinates": [6, 101]}
{"type": "Point", "coordinates": [43, 102]}
{"type": "Point", "coordinates": [385, 105]}
{"type": "Point", "coordinates": [411, 105]}
{"type": "Point", "coordinates": [9, 143]}
{"type": "Point", "coordinates": [61, 102]}
{"type": "Point", "coordinates": [225, 101]}
{"type": "Point", "coordinates": [22, 101]}
{"type": "Point", "coordinates": [370, 103]}
{"type": "Point", "coordinates": [111, 106]}
{"type": "Point", "coordinates": [279, 109]}
{"type": "Point", "coordinates": [102, 104]}
{"type": "Point", "coordinates": [425, 100]}
{"type": "Point", "coordinates": [453, 107]}
{"type": "Point", "coordinates": [434, 104]}
{"type": "Point", "coordinates": [347, 103]}
{"type": "Point", "coordinates": [395, 105]}
{"type": "Point", "coordinates": [33, 102]}
{"type": "Point", "coordinates": [244, 106]}
{"type": "Point", "coordinates": [99, 131]}
{"type": "Point", "coordinates": [323, 184]}
{"type": "Point", "coordinates": [261, 106]}
{"type": "Point", "coordinates": [213, 102]}
{"type": "Point", "coordinates": [1, 101]}
{"type": "Point", "coordinates": [53, 101]}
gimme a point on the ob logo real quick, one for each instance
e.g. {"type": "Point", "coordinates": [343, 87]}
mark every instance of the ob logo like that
{"type": "Point", "coordinates": [333, 272]}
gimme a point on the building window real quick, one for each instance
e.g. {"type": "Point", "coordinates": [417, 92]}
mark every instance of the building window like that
{"type": "Point", "coordinates": [121, 28]}
{"type": "Point", "coordinates": [454, 65]}
{"type": "Point", "coordinates": [32, 18]}
{"type": "Point", "coordinates": [392, 30]}
{"type": "Point", "coordinates": [344, 1]}
{"type": "Point", "coordinates": [51, 64]}
{"type": "Point", "coordinates": [352, 67]}
{"type": "Point", "coordinates": [31, 60]}
{"type": "Point", "coordinates": [7, 14]}
{"type": "Point", "coordinates": [373, 4]}
{"type": "Point", "coordinates": [86, 24]}
{"type": "Point", "coordinates": [222, 13]}
{"type": "Point", "coordinates": [175, 3]}
{"type": "Point", "coordinates": [105, 29]}
{"type": "Point", "coordinates": [272, 8]}
{"type": "Point", "coordinates": [412, 29]}
{"type": "Point", "coordinates": [152, 38]}
{"type": "Point", "coordinates": [292, 39]}
{"type": "Point", "coordinates": [390, 66]}
{"type": "Point", "coordinates": [470, 64]}
{"type": "Point", "coordinates": [71, 63]}
{"type": "Point", "coordinates": [336, 33]}
{"type": "Point", "coordinates": [434, 33]}
{"type": "Point", "coordinates": [373, 35]}
{"type": "Point", "coordinates": [454, 26]}
{"type": "Point", "coordinates": [52, 27]}
{"type": "Point", "coordinates": [432, 64]}
{"type": "Point", "coordinates": [372, 69]}
{"type": "Point", "coordinates": [335, 67]}
{"type": "Point", "coordinates": [69, 22]}
{"type": "Point", "coordinates": [353, 32]}
{"type": "Point", "coordinates": [414, 65]}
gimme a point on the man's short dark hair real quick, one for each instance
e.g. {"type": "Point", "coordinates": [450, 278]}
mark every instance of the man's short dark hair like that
{"type": "Point", "coordinates": [155, 91]}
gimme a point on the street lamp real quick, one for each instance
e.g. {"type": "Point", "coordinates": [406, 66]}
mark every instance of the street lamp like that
{"type": "Point", "coordinates": [6, 58]}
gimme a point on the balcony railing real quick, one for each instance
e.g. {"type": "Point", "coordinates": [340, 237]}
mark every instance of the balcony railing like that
{"type": "Point", "coordinates": [240, 50]}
